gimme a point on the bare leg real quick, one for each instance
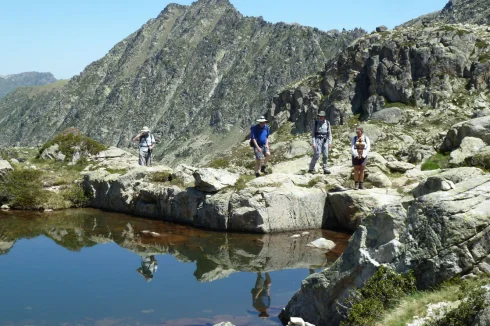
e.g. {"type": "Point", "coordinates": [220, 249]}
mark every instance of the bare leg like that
{"type": "Point", "coordinates": [356, 172]}
{"type": "Point", "coordinates": [257, 165]}
{"type": "Point", "coordinates": [267, 157]}
{"type": "Point", "coordinates": [361, 173]}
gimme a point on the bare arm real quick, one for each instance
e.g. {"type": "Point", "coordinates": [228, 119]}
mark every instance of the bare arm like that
{"type": "Point", "coordinates": [137, 138]}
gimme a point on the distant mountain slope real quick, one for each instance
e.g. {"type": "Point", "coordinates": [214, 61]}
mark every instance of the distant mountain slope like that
{"type": "Point", "coordinates": [457, 11]}
{"type": "Point", "coordinates": [11, 82]}
{"type": "Point", "coordinates": [196, 75]}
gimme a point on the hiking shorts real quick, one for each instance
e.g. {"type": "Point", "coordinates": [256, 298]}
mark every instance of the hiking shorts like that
{"type": "Point", "coordinates": [357, 161]}
{"type": "Point", "coordinates": [260, 155]}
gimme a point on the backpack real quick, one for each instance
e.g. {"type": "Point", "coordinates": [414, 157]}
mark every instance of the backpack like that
{"type": "Point", "coordinates": [251, 143]}
{"type": "Point", "coordinates": [316, 127]}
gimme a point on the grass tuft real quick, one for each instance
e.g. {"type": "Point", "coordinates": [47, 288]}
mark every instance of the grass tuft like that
{"type": "Point", "coordinates": [438, 161]}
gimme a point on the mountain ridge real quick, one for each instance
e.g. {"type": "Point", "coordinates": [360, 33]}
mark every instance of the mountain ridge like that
{"type": "Point", "coordinates": [457, 11]}
{"type": "Point", "coordinates": [195, 75]}
{"type": "Point", "coordinates": [9, 83]}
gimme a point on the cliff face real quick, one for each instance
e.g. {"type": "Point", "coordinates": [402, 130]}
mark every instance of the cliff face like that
{"type": "Point", "coordinates": [457, 11]}
{"type": "Point", "coordinates": [196, 75]}
{"type": "Point", "coordinates": [11, 82]}
{"type": "Point", "coordinates": [443, 69]}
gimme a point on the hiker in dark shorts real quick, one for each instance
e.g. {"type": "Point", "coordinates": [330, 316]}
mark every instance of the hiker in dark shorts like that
{"type": "Point", "coordinates": [259, 140]}
{"type": "Point", "coordinates": [360, 149]}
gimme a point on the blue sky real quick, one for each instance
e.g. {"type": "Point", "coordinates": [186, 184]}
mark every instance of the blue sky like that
{"type": "Point", "coordinates": [64, 36]}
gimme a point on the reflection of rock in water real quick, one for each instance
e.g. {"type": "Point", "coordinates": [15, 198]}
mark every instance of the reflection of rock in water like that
{"type": "Point", "coordinates": [5, 246]}
{"type": "Point", "coordinates": [216, 254]}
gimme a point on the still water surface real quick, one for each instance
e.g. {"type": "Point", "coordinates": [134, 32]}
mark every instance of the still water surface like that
{"type": "Point", "coordinates": [87, 267]}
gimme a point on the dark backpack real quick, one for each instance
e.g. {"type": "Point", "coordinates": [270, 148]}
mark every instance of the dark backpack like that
{"type": "Point", "coordinates": [316, 127]}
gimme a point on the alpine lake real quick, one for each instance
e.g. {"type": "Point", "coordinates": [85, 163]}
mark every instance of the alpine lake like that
{"type": "Point", "coordinates": [89, 267]}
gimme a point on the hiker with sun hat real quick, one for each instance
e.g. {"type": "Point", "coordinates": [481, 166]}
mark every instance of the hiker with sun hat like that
{"type": "Point", "coordinates": [321, 142]}
{"type": "Point", "coordinates": [146, 143]}
{"type": "Point", "coordinates": [259, 140]}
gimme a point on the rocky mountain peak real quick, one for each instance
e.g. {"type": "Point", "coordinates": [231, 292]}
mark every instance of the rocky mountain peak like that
{"type": "Point", "coordinates": [197, 75]}
{"type": "Point", "coordinates": [457, 11]}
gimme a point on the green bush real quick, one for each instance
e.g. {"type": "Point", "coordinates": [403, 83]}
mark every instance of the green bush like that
{"type": "Point", "coordinates": [71, 138]}
{"type": "Point", "coordinates": [382, 291]}
{"type": "Point", "coordinates": [438, 161]}
{"type": "Point", "coordinates": [479, 160]}
{"type": "Point", "coordinates": [22, 189]}
{"type": "Point", "coordinates": [242, 181]}
{"type": "Point", "coordinates": [472, 298]}
{"type": "Point", "coordinates": [167, 178]}
{"type": "Point", "coordinates": [76, 196]}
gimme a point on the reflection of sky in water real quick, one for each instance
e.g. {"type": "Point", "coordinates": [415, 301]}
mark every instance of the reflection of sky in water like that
{"type": "Point", "coordinates": [42, 283]}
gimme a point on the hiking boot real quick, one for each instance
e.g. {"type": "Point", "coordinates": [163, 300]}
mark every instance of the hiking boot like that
{"type": "Point", "coordinates": [356, 185]}
{"type": "Point", "coordinates": [327, 171]}
{"type": "Point", "coordinates": [257, 174]}
{"type": "Point", "coordinates": [262, 169]}
{"type": "Point", "coordinates": [361, 185]}
{"type": "Point", "coordinates": [311, 171]}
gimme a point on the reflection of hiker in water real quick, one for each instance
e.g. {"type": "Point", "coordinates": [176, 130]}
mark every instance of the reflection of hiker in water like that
{"type": "Point", "coordinates": [149, 266]}
{"type": "Point", "coordinates": [261, 294]}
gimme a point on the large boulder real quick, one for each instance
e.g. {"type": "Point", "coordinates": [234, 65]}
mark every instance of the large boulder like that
{"type": "Point", "coordinates": [213, 180]}
{"type": "Point", "coordinates": [5, 167]}
{"type": "Point", "coordinates": [416, 153]}
{"type": "Point", "coordinates": [316, 301]}
{"type": "Point", "coordinates": [469, 147]}
{"type": "Point", "coordinates": [53, 153]}
{"type": "Point", "coordinates": [477, 128]}
{"type": "Point", "coordinates": [377, 178]}
{"type": "Point", "coordinates": [446, 180]}
{"type": "Point", "coordinates": [116, 158]}
{"type": "Point", "coordinates": [298, 148]}
{"type": "Point", "coordinates": [275, 209]}
{"type": "Point", "coordinates": [397, 166]}
{"type": "Point", "coordinates": [440, 236]}
{"type": "Point", "coordinates": [389, 115]}
{"type": "Point", "coordinates": [347, 209]}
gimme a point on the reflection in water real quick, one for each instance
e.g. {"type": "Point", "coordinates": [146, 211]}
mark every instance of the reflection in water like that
{"type": "Point", "coordinates": [261, 294]}
{"type": "Point", "coordinates": [88, 287]}
{"type": "Point", "coordinates": [149, 266]}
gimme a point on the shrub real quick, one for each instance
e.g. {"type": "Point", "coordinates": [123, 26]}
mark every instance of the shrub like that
{"type": "Point", "coordinates": [71, 138]}
{"type": "Point", "coordinates": [382, 291]}
{"type": "Point", "coordinates": [438, 161]}
{"type": "Point", "coordinates": [76, 196]}
{"type": "Point", "coordinates": [242, 181]}
{"type": "Point", "coordinates": [22, 188]}
{"type": "Point", "coordinates": [219, 163]}
{"type": "Point", "coordinates": [479, 160]}
{"type": "Point", "coordinates": [168, 178]}
{"type": "Point", "coordinates": [472, 301]}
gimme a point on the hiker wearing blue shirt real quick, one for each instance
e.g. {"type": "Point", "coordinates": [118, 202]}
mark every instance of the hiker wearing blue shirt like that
{"type": "Point", "coordinates": [259, 140]}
